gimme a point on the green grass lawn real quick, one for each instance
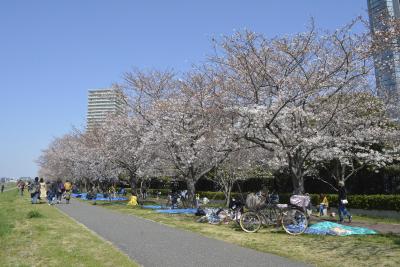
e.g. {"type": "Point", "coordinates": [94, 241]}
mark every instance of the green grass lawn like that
{"type": "Point", "coordinates": [372, 250]}
{"type": "Point", "coordinates": [40, 235]}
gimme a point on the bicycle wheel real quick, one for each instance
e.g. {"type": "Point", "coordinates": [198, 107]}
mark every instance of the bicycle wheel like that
{"type": "Point", "coordinates": [294, 221]}
{"type": "Point", "coordinates": [250, 222]}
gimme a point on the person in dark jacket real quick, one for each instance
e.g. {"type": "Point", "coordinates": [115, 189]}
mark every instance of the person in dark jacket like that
{"type": "Point", "coordinates": [51, 197]}
{"type": "Point", "coordinates": [34, 189]}
{"type": "Point", "coordinates": [60, 191]}
{"type": "Point", "coordinates": [342, 203]}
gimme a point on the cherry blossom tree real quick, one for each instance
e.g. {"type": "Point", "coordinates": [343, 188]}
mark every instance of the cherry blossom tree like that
{"type": "Point", "coordinates": [284, 89]}
{"type": "Point", "coordinates": [126, 144]}
{"type": "Point", "coordinates": [361, 137]}
{"type": "Point", "coordinates": [190, 129]}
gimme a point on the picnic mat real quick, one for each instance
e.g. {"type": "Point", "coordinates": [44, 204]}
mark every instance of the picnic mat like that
{"type": "Point", "coordinates": [153, 207]}
{"type": "Point", "coordinates": [178, 211]}
{"type": "Point", "coordinates": [330, 228]}
{"type": "Point", "coordinates": [99, 197]}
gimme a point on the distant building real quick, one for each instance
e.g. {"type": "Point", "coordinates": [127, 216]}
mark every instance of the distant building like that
{"type": "Point", "coordinates": [103, 103]}
{"type": "Point", "coordinates": [387, 62]}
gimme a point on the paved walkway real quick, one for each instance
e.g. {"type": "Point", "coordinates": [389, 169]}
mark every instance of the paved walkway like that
{"type": "Point", "coordinates": [153, 244]}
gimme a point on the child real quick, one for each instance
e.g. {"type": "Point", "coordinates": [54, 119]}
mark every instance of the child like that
{"type": "Point", "coordinates": [323, 204]}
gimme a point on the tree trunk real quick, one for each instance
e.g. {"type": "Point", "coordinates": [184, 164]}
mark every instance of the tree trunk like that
{"type": "Point", "coordinates": [228, 196]}
{"type": "Point", "coordinates": [298, 185]}
{"type": "Point", "coordinates": [191, 191]}
{"type": "Point", "coordinates": [297, 176]}
{"type": "Point", "coordinates": [132, 182]}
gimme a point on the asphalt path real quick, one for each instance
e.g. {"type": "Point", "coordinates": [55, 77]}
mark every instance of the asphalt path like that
{"type": "Point", "coordinates": [152, 244]}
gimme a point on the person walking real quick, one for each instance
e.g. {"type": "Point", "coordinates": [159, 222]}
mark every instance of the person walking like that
{"type": "Point", "coordinates": [34, 189]}
{"type": "Point", "coordinates": [48, 192]}
{"type": "Point", "coordinates": [342, 198]}
{"type": "Point", "coordinates": [43, 191]}
{"type": "Point", "coordinates": [2, 188]}
{"type": "Point", "coordinates": [21, 187]}
{"type": "Point", "coordinates": [68, 188]}
{"type": "Point", "coordinates": [60, 191]}
{"type": "Point", "coordinates": [51, 197]}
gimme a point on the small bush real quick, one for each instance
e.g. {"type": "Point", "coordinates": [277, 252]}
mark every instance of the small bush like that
{"type": "Point", "coordinates": [34, 214]}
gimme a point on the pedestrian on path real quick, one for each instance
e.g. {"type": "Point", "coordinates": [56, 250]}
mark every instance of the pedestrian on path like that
{"type": "Point", "coordinates": [21, 187]}
{"type": "Point", "coordinates": [68, 188]}
{"type": "Point", "coordinates": [51, 197]}
{"type": "Point", "coordinates": [34, 189]}
{"type": "Point", "coordinates": [342, 203]}
{"type": "Point", "coordinates": [60, 190]}
{"type": "Point", "coordinates": [42, 189]}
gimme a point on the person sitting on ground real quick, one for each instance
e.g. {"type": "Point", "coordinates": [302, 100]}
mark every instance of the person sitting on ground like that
{"type": "Point", "coordinates": [75, 189]}
{"type": "Point", "coordinates": [122, 192]}
{"type": "Point", "coordinates": [323, 204]}
{"type": "Point", "coordinates": [274, 197]}
{"type": "Point", "coordinates": [112, 192]}
{"type": "Point", "coordinates": [133, 200]}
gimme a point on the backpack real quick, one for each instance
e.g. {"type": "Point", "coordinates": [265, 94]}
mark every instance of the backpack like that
{"type": "Point", "coordinates": [31, 188]}
{"type": "Point", "coordinates": [34, 187]}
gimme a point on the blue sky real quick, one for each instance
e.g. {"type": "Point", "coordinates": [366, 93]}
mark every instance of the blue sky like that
{"type": "Point", "coordinates": [52, 52]}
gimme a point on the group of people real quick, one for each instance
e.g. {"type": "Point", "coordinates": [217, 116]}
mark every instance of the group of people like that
{"type": "Point", "coordinates": [342, 202]}
{"type": "Point", "coordinates": [52, 191]}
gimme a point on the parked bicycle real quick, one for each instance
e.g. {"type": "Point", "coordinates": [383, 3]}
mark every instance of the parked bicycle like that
{"type": "Point", "coordinates": [291, 216]}
{"type": "Point", "coordinates": [235, 210]}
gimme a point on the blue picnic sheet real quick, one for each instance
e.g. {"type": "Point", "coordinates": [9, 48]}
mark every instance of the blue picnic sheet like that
{"type": "Point", "coordinates": [99, 197]}
{"type": "Point", "coordinates": [178, 211]}
{"type": "Point", "coordinates": [331, 228]}
{"type": "Point", "coordinates": [153, 207]}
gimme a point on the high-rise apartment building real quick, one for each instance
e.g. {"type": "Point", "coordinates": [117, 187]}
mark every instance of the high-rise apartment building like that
{"type": "Point", "coordinates": [387, 61]}
{"type": "Point", "coordinates": [103, 103]}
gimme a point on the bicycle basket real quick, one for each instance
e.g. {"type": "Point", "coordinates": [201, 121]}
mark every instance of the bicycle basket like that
{"type": "Point", "coordinates": [300, 201]}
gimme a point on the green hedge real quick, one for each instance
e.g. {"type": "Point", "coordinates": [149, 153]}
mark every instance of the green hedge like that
{"type": "Point", "coordinates": [376, 202]}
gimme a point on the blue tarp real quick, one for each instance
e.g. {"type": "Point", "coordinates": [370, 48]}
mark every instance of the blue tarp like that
{"type": "Point", "coordinates": [178, 211]}
{"type": "Point", "coordinates": [154, 207]}
{"type": "Point", "coordinates": [330, 228]}
{"type": "Point", "coordinates": [99, 197]}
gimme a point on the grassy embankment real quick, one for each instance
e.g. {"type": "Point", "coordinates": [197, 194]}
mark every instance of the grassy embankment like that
{"type": "Point", "coordinates": [373, 250]}
{"type": "Point", "coordinates": [40, 235]}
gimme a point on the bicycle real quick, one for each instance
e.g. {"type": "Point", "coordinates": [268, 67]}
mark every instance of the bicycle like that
{"type": "Point", "coordinates": [292, 218]}
{"type": "Point", "coordinates": [177, 201]}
